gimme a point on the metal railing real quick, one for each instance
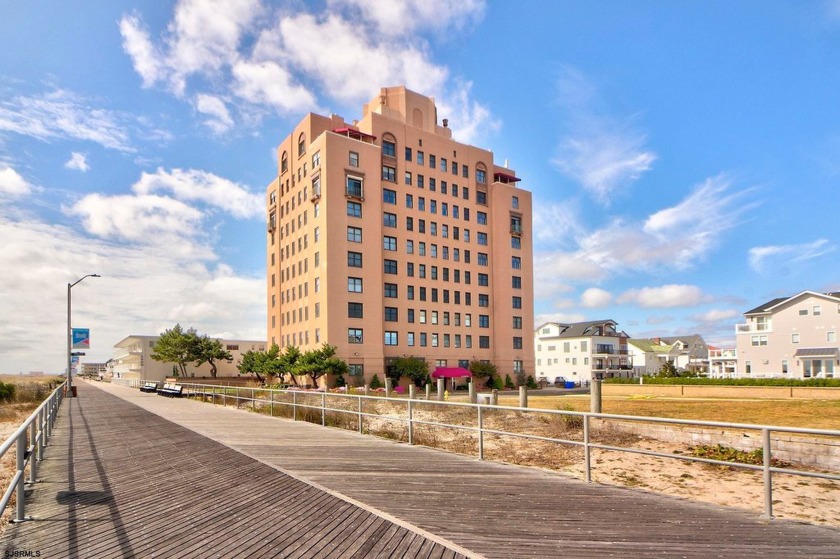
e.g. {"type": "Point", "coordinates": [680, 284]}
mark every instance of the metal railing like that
{"type": "Point", "coordinates": [29, 441]}
{"type": "Point", "coordinates": [317, 401]}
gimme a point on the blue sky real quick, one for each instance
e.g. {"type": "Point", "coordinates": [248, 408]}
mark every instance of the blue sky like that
{"type": "Point", "coordinates": [684, 156]}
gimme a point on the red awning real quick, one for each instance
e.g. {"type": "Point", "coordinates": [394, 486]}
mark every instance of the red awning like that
{"type": "Point", "coordinates": [451, 372]}
{"type": "Point", "coordinates": [506, 177]}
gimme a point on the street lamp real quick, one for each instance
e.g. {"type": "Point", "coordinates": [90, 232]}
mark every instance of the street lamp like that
{"type": "Point", "coordinates": [70, 331]}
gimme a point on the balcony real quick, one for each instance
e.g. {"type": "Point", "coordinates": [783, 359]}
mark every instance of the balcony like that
{"type": "Point", "coordinates": [316, 194]}
{"type": "Point", "coordinates": [753, 328]}
{"type": "Point", "coordinates": [516, 228]}
{"type": "Point", "coordinates": [608, 350]}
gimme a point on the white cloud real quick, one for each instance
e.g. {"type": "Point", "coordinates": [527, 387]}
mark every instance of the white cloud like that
{"type": "Point", "coordinates": [219, 120]}
{"type": "Point", "coordinates": [665, 296]}
{"type": "Point", "coordinates": [601, 152]}
{"type": "Point", "coordinates": [674, 238]}
{"type": "Point", "coordinates": [716, 315]}
{"type": "Point", "coordinates": [78, 162]}
{"type": "Point", "coordinates": [276, 61]}
{"type": "Point", "coordinates": [776, 256]}
{"type": "Point", "coordinates": [145, 288]}
{"type": "Point", "coordinates": [660, 319]}
{"type": "Point", "coordinates": [192, 185]}
{"type": "Point", "coordinates": [63, 115]}
{"type": "Point", "coordinates": [557, 224]}
{"type": "Point", "coordinates": [595, 298]}
{"type": "Point", "coordinates": [12, 183]}
{"type": "Point", "coordinates": [407, 16]}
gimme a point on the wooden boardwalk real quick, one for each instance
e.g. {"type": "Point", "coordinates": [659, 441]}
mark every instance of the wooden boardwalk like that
{"type": "Point", "coordinates": [136, 475]}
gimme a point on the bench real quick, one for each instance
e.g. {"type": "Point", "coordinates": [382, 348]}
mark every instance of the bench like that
{"type": "Point", "coordinates": [149, 387]}
{"type": "Point", "coordinates": [171, 390]}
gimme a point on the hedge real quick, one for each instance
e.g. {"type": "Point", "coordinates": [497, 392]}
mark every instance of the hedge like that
{"type": "Point", "coordinates": [814, 382]}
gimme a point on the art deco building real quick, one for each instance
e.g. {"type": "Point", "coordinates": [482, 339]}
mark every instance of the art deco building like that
{"type": "Point", "coordinates": [387, 238]}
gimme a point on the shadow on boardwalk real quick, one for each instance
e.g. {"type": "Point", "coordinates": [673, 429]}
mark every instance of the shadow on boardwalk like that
{"type": "Point", "coordinates": [135, 475]}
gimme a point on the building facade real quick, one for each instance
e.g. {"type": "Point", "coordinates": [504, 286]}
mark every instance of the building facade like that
{"type": "Point", "coordinates": [133, 359]}
{"type": "Point", "coordinates": [387, 238]}
{"type": "Point", "coordinates": [723, 362]}
{"type": "Point", "coordinates": [687, 353]}
{"type": "Point", "coordinates": [791, 337]}
{"type": "Point", "coordinates": [581, 351]}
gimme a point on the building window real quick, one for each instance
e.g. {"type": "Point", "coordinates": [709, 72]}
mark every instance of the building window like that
{"type": "Point", "coordinates": [481, 176]}
{"type": "Point", "coordinates": [516, 263]}
{"type": "Point", "coordinates": [516, 282]}
{"type": "Point", "coordinates": [390, 290]}
{"type": "Point", "coordinates": [484, 342]}
{"type": "Point", "coordinates": [389, 243]}
{"type": "Point", "coordinates": [517, 303]}
{"type": "Point", "coordinates": [409, 201]}
{"type": "Point", "coordinates": [354, 336]}
{"type": "Point", "coordinates": [482, 238]}
{"type": "Point", "coordinates": [817, 310]}
{"type": "Point", "coordinates": [390, 338]}
{"type": "Point", "coordinates": [389, 196]}
{"type": "Point", "coordinates": [389, 173]}
{"type": "Point", "coordinates": [354, 209]}
{"type": "Point", "coordinates": [517, 323]}
{"type": "Point", "coordinates": [748, 368]}
{"type": "Point", "coordinates": [803, 312]}
{"type": "Point", "coordinates": [484, 321]}
{"type": "Point", "coordinates": [410, 339]}
{"type": "Point", "coordinates": [355, 310]}
{"type": "Point", "coordinates": [483, 300]}
{"type": "Point", "coordinates": [353, 159]}
{"type": "Point", "coordinates": [354, 259]}
{"type": "Point", "coordinates": [481, 218]}
{"type": "Point", "coordinates": [389, 148]}
{"type": "Point", "coordinates": [481, 197]}
{"type": "Point", "coordinates": [356, 370]}
{"type": "Point", "coordinates": [354, 187]}
{"type": "Point", "coordinates": [284, 162]}
{"type": "Point", "coordinates": [420, 156]}
{"type": "Point", "coordinates": [389, 219]}
{"type": "Point", "coordinates": [759, 340]}
{"type": "Point", "coordinates": [408, 154]}
{"type": "Point", "coordinates": [515, 242]}
{"type": "Point", "coordinates": [301, 145]}
{"type": "Point", "coordinates": [794, 338]}
{"type": "Point", "coordinates": [482, 259]}
{"type": "Point", "coordinates": [390, 266]}
{"type": "Point", "coordinates": [354, 234]}
{"type": "Point", "coordinates": [784, 366]}
{"type": "Point", "coordinates": [515, 202]}
{"type": "Point", "coordinates": [354, 285]}
{"type": "Point", "coordinates": [517, 342]}
{"type": "Point", "coordinates": [391, 314]}
{"type": "Point", "coordinates": [831, 336]}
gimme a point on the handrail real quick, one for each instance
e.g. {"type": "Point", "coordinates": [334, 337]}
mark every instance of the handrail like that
{"type": "Point", "coordinates": [30, 439]}
{"type": "Point", "coordinates": [248, 394]}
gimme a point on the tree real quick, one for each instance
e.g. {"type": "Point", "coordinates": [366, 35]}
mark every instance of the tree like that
{"type": "Point", "coordinates": [208, 350]}
{"type": "Point", "coordinates": [509, 382]}
{"type": "Point", "coordinates": [414, 368]}
{"type": "Point", "coordinates": [531, 383]}
{"type": "Point", "coordinates": [319, 362]}
{"type": "Point", "coordinates": [252, 362]}
{"type": "Point", "coordinates": [375, 382]}
{"type": "Point", "coordinates": [287, 361]}
{"type": "Point", "coordinates": [177, 346]}
{"type": "Point", "coordinates": [668, 370]}
{"type": "Point", "coordinates": [482, 370]}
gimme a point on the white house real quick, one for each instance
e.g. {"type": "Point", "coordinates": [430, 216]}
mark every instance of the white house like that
{"type": "Point", "coordinates": [581, 351]}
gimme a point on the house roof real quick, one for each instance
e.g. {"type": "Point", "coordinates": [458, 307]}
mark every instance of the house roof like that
{"type": "Point", "coordinates": [817, 352]}
{"type": "Point", "coordinates": [773, 303]}
{"type": "Point", "coordinates": [648, 345]}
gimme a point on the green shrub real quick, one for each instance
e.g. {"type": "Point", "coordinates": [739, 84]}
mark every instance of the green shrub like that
{"type": "Point", "coordinates": [815, 382]}
{"type": "Point", "coordinates": [531, 383]}
{"type": "Point", "coordinates": [498, 383]}
{"type": "Point", "coordinates": [509, 382]}
{"type": "Point", "coordinates": [7, 391]}
{"type": "Point", "coordinates": [375, 382]}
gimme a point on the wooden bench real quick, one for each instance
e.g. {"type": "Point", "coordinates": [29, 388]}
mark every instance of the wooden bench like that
{"type": "Point", "coordinates": [149, 387]}
{"type": "Point", "coordinates": [171, 390]}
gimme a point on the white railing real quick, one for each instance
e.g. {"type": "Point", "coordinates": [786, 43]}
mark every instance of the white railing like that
{"type": "Point", "coordinates": [30, 439]}
{"type": "Point", "coordinates": [300, 401]}
{"type": "Point", "coordinates": [753, 328]}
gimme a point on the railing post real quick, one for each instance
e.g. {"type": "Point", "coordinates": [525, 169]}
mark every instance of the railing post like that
{"type": "Point", "coordinates": [595, 396]}
{"type": "Point", "coordinates": [254, 399]}
{"type": "Point", "coordinates": [294, 406]}
{"type": "Point", "coordinates": [42, 426]}
{"type": "Point", "coordinates": [20, 506]}
{"type": "Point", "coordinates": [361, 417]}
{"type": "Point", "coordinates": [410, 422]}
{"type": "Point", "coordinates": [480, 433]}
{"type": "Point", "coordinates": [768, 475]}
{"type": "Point", "coordinates": [271, 405]}
{"type": "Point", "coordinates": [428, 392]}
{"type": "Point", "coordinates": [237, 397]}
{"type": "Point", "coordinates": [412, 391]}
{"type": "Point", "coordinates": [324, 408]}
{"type": "Point", "coordinates": [523, 396]}
{"type": "Point", "coordinates": [472, 392]}
{"type": "Point", "coordinates": [32, 450]}
{"type": "Point", "coordinates": [587, 452]}
{"type": "Point", "coordinates": [440, 387]}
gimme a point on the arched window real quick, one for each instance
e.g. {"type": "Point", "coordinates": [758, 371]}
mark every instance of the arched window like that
{"type": "Point", "coordinates": [284, 162]}
{"type": "Point", "coordinates": [481, 173]}
{"type": "Point", "coordinates": [389, 145]}
{"type": "Point", "coordinates": [301, 144]}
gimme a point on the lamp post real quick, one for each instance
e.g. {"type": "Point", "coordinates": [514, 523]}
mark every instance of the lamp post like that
{"type": "Point", "coordinates": [70, 330]}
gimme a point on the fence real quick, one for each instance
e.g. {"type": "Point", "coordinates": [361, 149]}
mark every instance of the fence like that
{"type": "Point", "coordinates": [328, 408]}
{"type": "Point", "coordinates": [29, 441]}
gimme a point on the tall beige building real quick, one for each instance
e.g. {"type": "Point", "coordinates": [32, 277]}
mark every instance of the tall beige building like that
{"type": "Point", "coordinates": [387, 238]}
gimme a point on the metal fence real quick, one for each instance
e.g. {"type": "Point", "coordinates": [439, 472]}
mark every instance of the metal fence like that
{"type": "Point", "coordinates": [317, 406]}
{"type": "Point", "coordinates": [29, 441]}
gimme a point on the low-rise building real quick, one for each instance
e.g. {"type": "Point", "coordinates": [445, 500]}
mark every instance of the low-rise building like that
{"type": "Point", "coordinates": [581, 351]}
{"type": "Point", "coordinates": [791, 337]}
{"type": "Point", "coordinates": [133, 359]}
{"type": "Point", "coordinates": [687, 353]}
{"type": "Point", "coordinates": [723, 362]}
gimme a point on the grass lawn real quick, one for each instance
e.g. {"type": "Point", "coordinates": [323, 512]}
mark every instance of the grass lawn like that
{"type": "Point", "coordinates": [814, 414]}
